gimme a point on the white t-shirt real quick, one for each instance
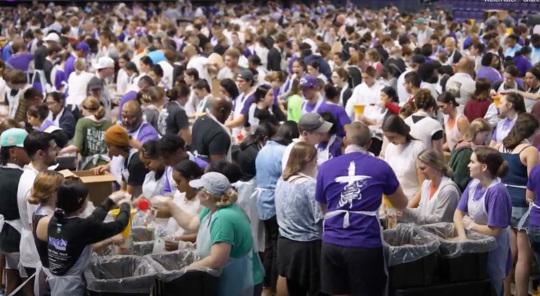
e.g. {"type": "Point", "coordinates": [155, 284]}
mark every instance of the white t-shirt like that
{"type": "Point", "coordinates": [28, 251]}
{"type": "Point", "coordinates": [463, 83]}
{"type": "Point", "coordinates": [423, 129]}
{"type": "Point", "coordinates": [77, 84]}
{"type": "Point", "coordinates": [370, 97]}
{"type": "Point", "coordinates": [402, 159]}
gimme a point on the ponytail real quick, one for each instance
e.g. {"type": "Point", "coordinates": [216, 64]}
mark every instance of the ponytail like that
{"type": "Point", "coordinates": [229, 197]}
{"type": "Point", "coordinates": [100, 113]}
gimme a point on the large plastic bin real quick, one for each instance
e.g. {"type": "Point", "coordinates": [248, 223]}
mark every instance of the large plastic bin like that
{"type": "Point", "coordinates": [120, 275]}
{"type": "Point", "coordinates": [461, 261]}
{"type": "Point", "coordinates": [173, 276]}
{"type": "Point", "coordinates": [411, 256]}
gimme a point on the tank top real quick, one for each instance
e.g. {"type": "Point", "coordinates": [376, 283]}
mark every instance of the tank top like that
{"type": "Point", "coordinates": [452, 133]}
{"type": "Point", "coordinates": [516, 178]}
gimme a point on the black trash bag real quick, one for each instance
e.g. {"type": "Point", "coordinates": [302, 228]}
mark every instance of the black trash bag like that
{"type": "Point", "coordinates": [173, 275]}
{"type": "Point", "coordinates": [120, 275]}
{"type": "Point", "coordinates": [475, 242]}
{"type": "Point", "coordinates": [406, 243]}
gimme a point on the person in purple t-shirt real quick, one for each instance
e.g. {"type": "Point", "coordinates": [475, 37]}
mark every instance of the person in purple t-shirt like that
{"type": "Point", "coordinates": [485, 207]}
{"type": "Point", "coordinates": [349, 189]}
{"type": "Point", "coordinates": [139, 130]}
{"type": "Point", "coordinates": [533, 190]}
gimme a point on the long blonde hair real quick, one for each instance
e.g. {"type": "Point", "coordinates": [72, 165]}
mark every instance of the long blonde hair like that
{"type": "Point", "coordinates": [228, 198]}
{"type": "Point", "coordinates": [45, 186]}
{"type": "Point", "coordinates": [435, 159]}
{"type": "Point", "coordinates": [301, 154]}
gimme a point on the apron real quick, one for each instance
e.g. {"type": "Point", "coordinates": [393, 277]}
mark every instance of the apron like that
{"type": "Point", "coordinates": [229, 151]}
{"type": "Point", "coordinates": [125, 171]}
{"type": "Point", "coordinates": [497, 258]}
{"type": "Point", "coordinates": [323, 154]}
{"type": "Point", "coordinates": [71, 284]}
{"type": "Point", "coordinates": [427, 205]}
{"type": "Point", "coordinates": [315, 109]}
{"type": "Point", "coordinates": [237, 275]}
{"type": "Point", "coordinates": [17, 223]}
{"type": "Point", "coordinates": [248, 195]}
{"type": "Point", "coordinates": [152, 187]}
{"type": "Point", "coordinates": [117, 162]}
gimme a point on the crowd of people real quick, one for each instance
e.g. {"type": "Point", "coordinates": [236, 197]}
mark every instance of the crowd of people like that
{"type": "Point", "coordinates": [270, 134]}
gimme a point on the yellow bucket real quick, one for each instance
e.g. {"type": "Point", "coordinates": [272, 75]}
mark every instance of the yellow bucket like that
{"type": "Point", "coordinates": [127, 231]}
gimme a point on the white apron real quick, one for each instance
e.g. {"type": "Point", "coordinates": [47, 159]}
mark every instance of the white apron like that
{"type": "Point", "coordinates": [71, 284]}
{"type": "Point", "coordinates": [152, 187]}
{"type": "Point", "coordinates": [497, 258]}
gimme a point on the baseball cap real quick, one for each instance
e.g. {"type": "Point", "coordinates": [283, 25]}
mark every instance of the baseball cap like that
{"type": "Point", "coordinates": [246, 75]}
{"type": "Point", "coordinates": [308, 81]}
{"type": "Point", "coordinates": [213, 182]}
{"type": "Point", "coordinates": [313, 122]}
{"type": "Point", "coordinates": [83, 46]}
{"type": "Point", "coordinates": [52, 37]}
{"type": "Point", "coordinates": [104, 62]}
{"type": "Point", "coordinates": [421, 21]}
{"type": "Point", "coordinates": [13, 137]}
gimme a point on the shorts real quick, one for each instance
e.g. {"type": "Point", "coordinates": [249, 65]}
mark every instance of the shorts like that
{"type": "Point", "coordinates": [356, 271]}
{"type": "Point", "coordinates": [300, 262]}
{"type": "Point", "coordinates": [520, 217]}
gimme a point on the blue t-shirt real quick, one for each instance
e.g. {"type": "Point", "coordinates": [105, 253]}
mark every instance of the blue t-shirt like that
{"type": "Point", "coordinates": [354, 182]}
{"type": "Point", "coordinates": [497, 202]}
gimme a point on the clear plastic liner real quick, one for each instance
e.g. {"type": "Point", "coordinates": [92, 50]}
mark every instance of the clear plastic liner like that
{"type": "Point", "coordinates": [407, 243]}
{"type": "Point", "coordinates": [451, 248]}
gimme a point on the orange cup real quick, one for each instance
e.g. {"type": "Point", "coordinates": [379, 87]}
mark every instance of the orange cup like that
{"type": "Point", "coordinates": [497, 100]}
{"type": "Point", "coordinates": [359, 109]}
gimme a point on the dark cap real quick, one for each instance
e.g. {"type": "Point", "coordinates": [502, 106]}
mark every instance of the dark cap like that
{"type": "Point", "coordinates": [314, 123]}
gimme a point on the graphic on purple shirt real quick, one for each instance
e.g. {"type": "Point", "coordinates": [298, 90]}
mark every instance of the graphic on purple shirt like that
{"type": "Point", "coordinates": [354, 182]}
{"type": "Point", "coordinates": [534, 185]}
{"type": "Point", "coordinates": [497, 202]}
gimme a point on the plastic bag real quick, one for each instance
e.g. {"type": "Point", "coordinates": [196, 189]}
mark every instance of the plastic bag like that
{"type": "Point", "coordinates": [172, 265]}
{"type": "Point", "coordinates": [475, 243]}
{"type": "Point", "coordinates": [406, 243]}
{"type": "Point", "coordinates": [120, 274]}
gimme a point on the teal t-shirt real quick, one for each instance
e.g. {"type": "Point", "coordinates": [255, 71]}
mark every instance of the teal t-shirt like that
{"type": "Point", "coordinates": [231, 225]}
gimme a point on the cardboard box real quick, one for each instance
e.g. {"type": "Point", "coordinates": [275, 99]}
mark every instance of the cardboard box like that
{"type": "Point", "coordinates": [99, 186]}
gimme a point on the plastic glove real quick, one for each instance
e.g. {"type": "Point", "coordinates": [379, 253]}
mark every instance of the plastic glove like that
{"type": "Point", "coordinates": [117, 196]}
{"type": "Point", "coordinates": [468, 223]}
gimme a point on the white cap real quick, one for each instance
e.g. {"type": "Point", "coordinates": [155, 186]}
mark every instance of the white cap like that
{"type": "Point", "coordinates": [52, 37]}
{"type": "Point", "coordinates": [104, 62]}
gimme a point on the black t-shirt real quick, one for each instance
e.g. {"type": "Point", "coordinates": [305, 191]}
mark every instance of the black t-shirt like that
{"type": "Point", "coordinates": [137, 170]}
{"type": "Point", "coordinates": [245, 158]}
{"type": "Point", "coordinates": [9, 184]}
{"type": "Point", "coordinates": [172, 119]}
{"type": "Point", "coordinates": [69, 236]}
{"type": "Point", "coordinates": [209, 138]}
{"type": "Point", "coordinates": [41, 246]}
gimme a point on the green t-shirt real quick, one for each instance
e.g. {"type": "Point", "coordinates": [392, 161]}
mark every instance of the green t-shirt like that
{"type": "Point", "coordinates": [294, 107]}
{"type": "Point", "coordinates": [90, 135]}
{"type": "Point", "coordinates": [231, 225]}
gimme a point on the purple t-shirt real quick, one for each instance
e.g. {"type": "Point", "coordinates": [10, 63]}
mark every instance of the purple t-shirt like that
{"type": "Point", "coordinates": [69, 66]}
{"type": "Point", "coordinates": [354, 182]}
{"type": "Point", "coordinates": [145, 133]}
{"type": "Point", "coordinates": [497, 201]}
{"type": "Point", "coordinates": [339, 115]}
{"type": "Point", "coordinates": [534, 185]}
{"type": "Point", "coordinates": [20, 61]}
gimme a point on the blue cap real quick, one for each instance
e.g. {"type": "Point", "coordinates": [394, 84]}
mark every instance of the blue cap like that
{"type": "Point", "coordinates": [83, 46]}
{"type": "Point", "coordinates": [309, 81]}
{"type": "Point", "coordinates": [13, 137]}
